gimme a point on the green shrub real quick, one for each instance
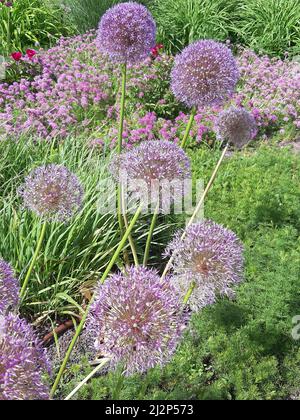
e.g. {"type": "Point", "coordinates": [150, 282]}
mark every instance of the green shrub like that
{"type": "Point", "coordinates": [181, 22]}
{"type": "Point", "coordinates": [270, 26]}
{"type": "Point", "coordinates": [87, 13]}
{"type": "Point", "coordinates": [31, 21]}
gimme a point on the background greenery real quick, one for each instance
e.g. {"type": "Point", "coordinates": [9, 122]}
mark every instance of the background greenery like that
{"type": "Point", "coordinates": [29, 22]}
{"type": "Point", "coordinates": [239, 349]}
{"type": "Point", "coordinates": [74, 254]}
{"type": "Point", "coordinates": [267, 26]}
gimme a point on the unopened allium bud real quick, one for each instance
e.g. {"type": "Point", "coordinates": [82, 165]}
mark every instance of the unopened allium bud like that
{"type": "Point", "coordinates": [127, 33]}
{"type": "Point", "coordinates": [137, 319]}
{"type": "Point", "coordinates": [209, 259]}
{"type": "Point", "coordinates": [236, 126]}
{"type": "Point", "coordinates": [52, 192]}
{"type": "Point", "coordinates": [204, 74]}
{"type": "Point", "coordinates": [9, 288]}
{"type": "Point", "coordinates": [23, 361]}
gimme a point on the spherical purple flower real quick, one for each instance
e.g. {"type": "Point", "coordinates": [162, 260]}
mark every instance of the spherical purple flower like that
{"type": "Point", "coordinates": [137, 319]}
{"type": "Point", "coordinates": [52, 192]}
{"type": "Point", "coordinates": [237, 126]}
{"type": "Point", "coordinates": [9, 288]}
{"type": "Point", "coordinates": [23, 361]}
{"type": "Point", "coordinates": [204, 74]}
{"type": "Point", "coordinates": [126, 33]}
{"type": "Point", "coordinates": [155, 172]}
{"type": "Point", "coordinates": [210, 259]}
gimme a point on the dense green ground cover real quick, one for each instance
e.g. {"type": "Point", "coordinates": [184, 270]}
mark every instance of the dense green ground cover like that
{"type": "Point", "coordinates": [240, 349]}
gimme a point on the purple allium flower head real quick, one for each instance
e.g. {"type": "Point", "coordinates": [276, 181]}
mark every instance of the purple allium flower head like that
{"type": "Point", "coordinates": [52, 192]}
{"type": "Point", "coordinates": [160, 167]}
{"type": "Point", "coordinates": [236, 125]}
{"type": "Point", "coordinates": [210, 257]}
{"type": "Point", "coordinates": [204, 74]}
{"type": "Point", "coordinates": [127, 33]}
{"type": "Point", "coordinates": [23, 361]}
{"type": "Point", "coordinates": [137, 319]}
{"type": "Point", "coordinates": [9, 288]}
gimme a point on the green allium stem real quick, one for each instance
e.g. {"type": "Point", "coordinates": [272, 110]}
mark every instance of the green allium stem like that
{"type": "Point", "coordinates": [198, 207]}
{"type": "Point", "coordinates": [119, 151]}
{"type": "Point", "coordinates": [84, 318]}
{"type": "Point", "coordinates": [33, 261]}
{"type": "Point", "coordinates": [130, 238]}
{"type": "Point", "coordinates": [87, 378]}
{"type": "Point", "coordinates": [188, 127]}
{"type": "Point", "coordinates": [189, 293]}
{"type": "Point", "coordinates": [122, 109]}
{"type": "Point", "coordinates": [150, 236]}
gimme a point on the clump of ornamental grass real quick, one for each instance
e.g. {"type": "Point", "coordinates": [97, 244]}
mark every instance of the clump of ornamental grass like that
{"type": "Point", "coordinates": [54, 194]}
{"type": "Point", "coordinates": [127, 33]}
{"type": "Point", "coordinates": [9, 288]}
{"type": "Point", "coordinates": [207, 262]}
{"type": "Point", "coordinates": [236, 126]}
{"type": "Point", "coordinates": [23, 361]}
{"type": "Point", "coordinates": [137, 319]}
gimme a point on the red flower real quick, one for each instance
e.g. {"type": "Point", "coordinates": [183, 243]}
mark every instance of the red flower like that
{"type": "Point", "coordinates": [16, 56]}
{"type": "Point", "coordinates": [154, 52]}
{"type": "Point", "coordinates": [30, 53]}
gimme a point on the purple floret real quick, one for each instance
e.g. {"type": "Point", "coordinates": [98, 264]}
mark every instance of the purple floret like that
{"type": "Point", "coordinates": [23, 361]}
{"type": "Point", "coordinates": [204, 74]}
{"type": "Point", "coordinates": [9, 288]}
{"type": "Point", "coordinates": [236, 126]}
{"type": "Point", "coordinates": [137, 319]}
{"type": "Point", "coordinates": [52, 192]}
{"type": "Point", "coordinates": [127, 33]}
{"type": "Point", "coordinates": [210, 257]}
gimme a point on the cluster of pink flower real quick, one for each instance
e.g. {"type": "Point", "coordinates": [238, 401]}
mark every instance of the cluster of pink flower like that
{"type": "Point", "coordinates": [77, 89]}
{"type": "Point", "coordinates": [268, 88]}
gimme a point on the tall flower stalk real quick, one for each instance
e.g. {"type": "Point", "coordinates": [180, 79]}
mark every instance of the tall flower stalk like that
{"type": "Point", "coordinates": [188, 127]}
{"type": "Point", "coordinates": [85, 315]}
{"type": "Point", "coordinates": [33, 261]}
{"type": "Point", "coordinates": [126, 34]}
{"type": "Point", "coordinates": [150, 236]}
